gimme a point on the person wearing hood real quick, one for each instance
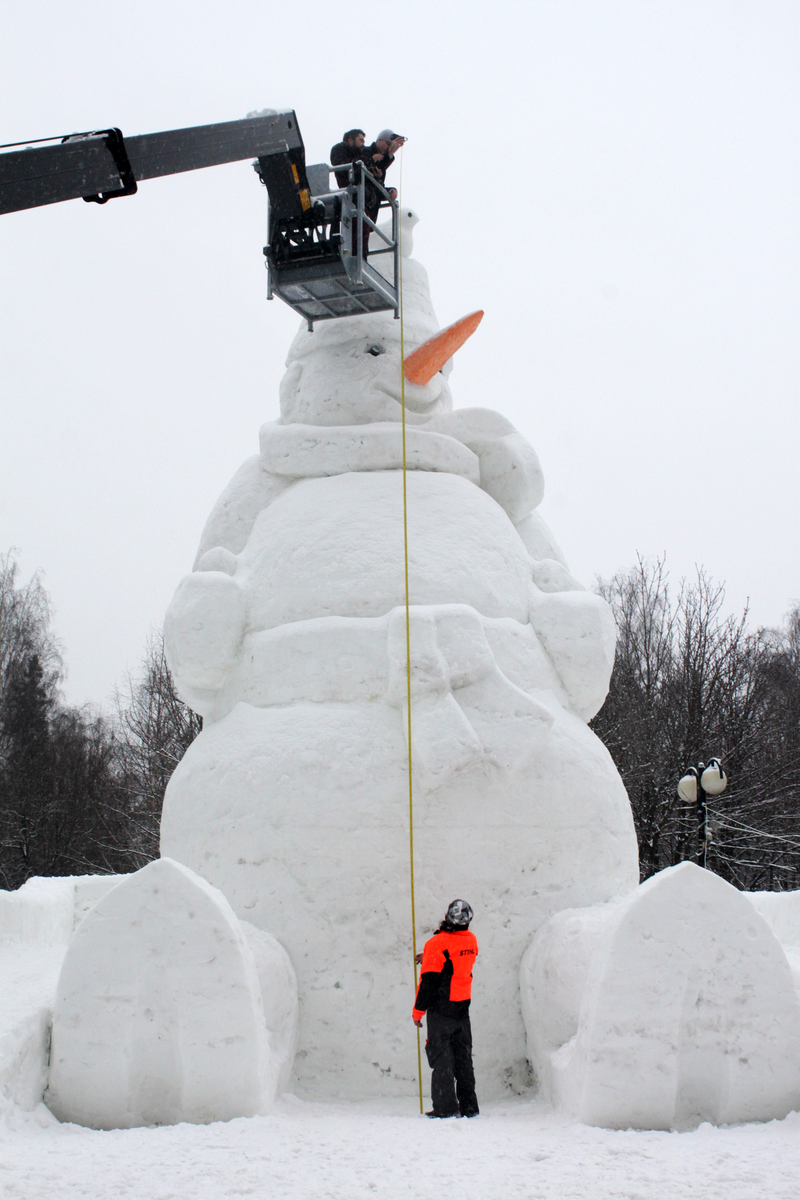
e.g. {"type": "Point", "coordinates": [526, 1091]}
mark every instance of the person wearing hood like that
{"type": "Point", "coordinates": [444, 992]}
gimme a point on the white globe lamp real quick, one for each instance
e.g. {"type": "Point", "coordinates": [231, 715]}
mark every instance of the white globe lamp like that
{"type": "Point", "coordinates": [713, 781]}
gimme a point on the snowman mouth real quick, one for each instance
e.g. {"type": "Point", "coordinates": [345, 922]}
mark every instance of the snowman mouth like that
{"type": "Point", "coordinates": [417, 398]}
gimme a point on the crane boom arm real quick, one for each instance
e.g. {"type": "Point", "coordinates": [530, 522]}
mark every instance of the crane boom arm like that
{"type": "Point", "coordinates": [101, 164]}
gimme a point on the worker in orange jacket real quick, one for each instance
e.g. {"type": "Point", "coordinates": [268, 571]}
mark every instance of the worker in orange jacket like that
{"type": "Point", "coordinates": [444, 991]}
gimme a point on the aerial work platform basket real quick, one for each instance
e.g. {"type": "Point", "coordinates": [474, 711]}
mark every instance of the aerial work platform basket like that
{"type": "Point", "coordinates": [318, 240]}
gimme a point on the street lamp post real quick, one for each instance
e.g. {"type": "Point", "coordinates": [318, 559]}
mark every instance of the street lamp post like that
{"type": "Point", "coordinates": [697, 784]}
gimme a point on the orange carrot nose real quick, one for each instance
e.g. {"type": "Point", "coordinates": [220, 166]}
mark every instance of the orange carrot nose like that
{"type": "Point", "coordinates": [422, 365]}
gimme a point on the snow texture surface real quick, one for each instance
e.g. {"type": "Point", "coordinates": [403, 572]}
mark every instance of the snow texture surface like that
{"type": "Point", "coordinates": [665, 1008]}
{"type": "Point", "coordinates": [158, 1015]}
{"type": "Point", "coordinates": [313, 1151]}
{"type": "Point", "coordinates": [36, 925]}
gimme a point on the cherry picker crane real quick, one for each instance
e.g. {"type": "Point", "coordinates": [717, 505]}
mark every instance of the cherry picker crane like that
{"type": "Point", "coordinates": [316, 239]}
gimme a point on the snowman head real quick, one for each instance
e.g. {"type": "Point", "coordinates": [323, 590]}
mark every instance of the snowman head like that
{"type": "Point", "coordinates": [348, 371]}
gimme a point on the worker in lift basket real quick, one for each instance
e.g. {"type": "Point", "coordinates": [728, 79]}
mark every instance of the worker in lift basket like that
{"type": "Point", "coordinates": [377, 160]}
{"type": "Point", "coordinates": [444, 991]}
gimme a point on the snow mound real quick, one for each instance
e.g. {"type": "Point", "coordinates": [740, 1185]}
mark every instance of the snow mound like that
{"type": "Point", "coordinates": [158, 1016]}
{"type": "Point", "coordinates": [46, 911]}
{"type": "Point", "coordinates": [665, 1008]}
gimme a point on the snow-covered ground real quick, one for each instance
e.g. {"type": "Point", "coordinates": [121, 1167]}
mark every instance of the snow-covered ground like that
{"type": "Point", "coordinates": [312, 1151]}
{"type": "Point", "coordinates": [305, 1151]}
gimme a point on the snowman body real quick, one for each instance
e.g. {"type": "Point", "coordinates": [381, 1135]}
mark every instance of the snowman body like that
{"type": "Point", "coordinates": [290, 638]}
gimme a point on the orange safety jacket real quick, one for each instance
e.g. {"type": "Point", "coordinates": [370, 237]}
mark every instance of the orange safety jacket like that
{"type": "Point", "coordinates": [445, 983]}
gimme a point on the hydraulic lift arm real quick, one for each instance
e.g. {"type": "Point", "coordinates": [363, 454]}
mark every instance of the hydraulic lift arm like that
{"type": "Point", "coordinates": [101, 165]}
{"type": "Point", "coordinates": [318, 240]}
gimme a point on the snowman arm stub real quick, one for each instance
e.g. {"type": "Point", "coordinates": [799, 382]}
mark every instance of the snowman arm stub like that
{"type": "Point", "coordinates": [203, 631]}
{"type": "Point", "coordinates": [578, 632]}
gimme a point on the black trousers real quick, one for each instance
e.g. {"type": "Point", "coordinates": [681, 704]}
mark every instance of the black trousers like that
{"type": "Point", "coordinates": [449, 1051]}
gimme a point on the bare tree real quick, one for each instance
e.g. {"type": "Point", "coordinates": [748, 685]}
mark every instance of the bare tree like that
{"type": "Point", "coordinates": [25, 615]}
{"type": "Point", "coordinates": [757, 827]}
{"type": "Point", "coordinates": [62, 807]}
{"type": "Point", "coordinates": [688, 683]}
{"type": "Point", "coordinates": [154, 731]}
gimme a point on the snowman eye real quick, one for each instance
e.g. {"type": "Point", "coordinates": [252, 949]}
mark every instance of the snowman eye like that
{"type": "Point", "coordinates": [375, 350]}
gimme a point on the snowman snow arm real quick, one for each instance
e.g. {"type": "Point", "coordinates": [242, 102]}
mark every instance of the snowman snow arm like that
{"type": "Point", "coordinates": [203, 632]}
{"type": "Point", "coordinates": [578, 633]}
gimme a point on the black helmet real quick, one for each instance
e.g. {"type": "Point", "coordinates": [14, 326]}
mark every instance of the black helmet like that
{"type": "Point", "coordinates": [459, 913]}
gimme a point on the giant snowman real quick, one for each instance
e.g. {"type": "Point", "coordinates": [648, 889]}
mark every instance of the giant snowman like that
{"type": "Point", "coordinates": [289, 637]}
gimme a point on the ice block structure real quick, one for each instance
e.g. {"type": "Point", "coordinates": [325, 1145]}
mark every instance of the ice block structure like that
{"type": "Point", "coordinates": [289, 638]}
{"type": "Point", "coordinates": [664, 1008]}
{"type": "Point", "coordinates": [168, 1010]}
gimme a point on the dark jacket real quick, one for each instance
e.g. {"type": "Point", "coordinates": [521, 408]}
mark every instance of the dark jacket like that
{"type": "Point", "coordinates": [445, 984]}
{"type": "Point", "coordinates": [341, 153]}
{"type": "Point", "coordinates": [378, 169]}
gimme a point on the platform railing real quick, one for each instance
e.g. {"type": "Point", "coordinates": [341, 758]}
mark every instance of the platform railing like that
{"type": "Point", "coordinates": [356, 226]}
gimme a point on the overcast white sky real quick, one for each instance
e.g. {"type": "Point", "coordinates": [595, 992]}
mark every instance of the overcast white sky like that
{"type": "Point", "coordinates": [615, 182]}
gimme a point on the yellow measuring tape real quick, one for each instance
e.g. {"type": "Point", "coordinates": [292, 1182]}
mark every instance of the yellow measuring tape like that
{"type": "Point", "coordinates": [408, 614]}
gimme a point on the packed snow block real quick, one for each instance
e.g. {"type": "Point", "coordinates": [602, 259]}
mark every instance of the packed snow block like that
{"type": "Point", "coordinates": [46, 910]}
{"type": "Point", "coordinates": [40, 913]}
{"type": "Point", "coordinates": [88, 890]}
{"type": "Point", "coordinates": [23, 1058]}
{"type": "Point", "coordinates": [28, 977]}
{"type": "Point", "coordinates": [36, 924]}
{"type": "Point", "coordinates": [578, 632]}
{"type": "Point", "coordinates": [781, 911]}
{"type": "Point", "coordinates": [278, 984]}
{"type": "Point", "coordinates": [158, 1016]}
{"type": "Point", "coordinates": [203, 629]}
{"type": "Point", "coordinates": [664, 1008]}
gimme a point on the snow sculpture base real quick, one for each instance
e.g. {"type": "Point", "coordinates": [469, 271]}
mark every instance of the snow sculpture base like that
{"type": "Point", "coordinates": [665, 1008]}
{"type": "Point", "coordinates": [308, 804]}
{"type": "Point", "coordinates": [159, 1017]}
